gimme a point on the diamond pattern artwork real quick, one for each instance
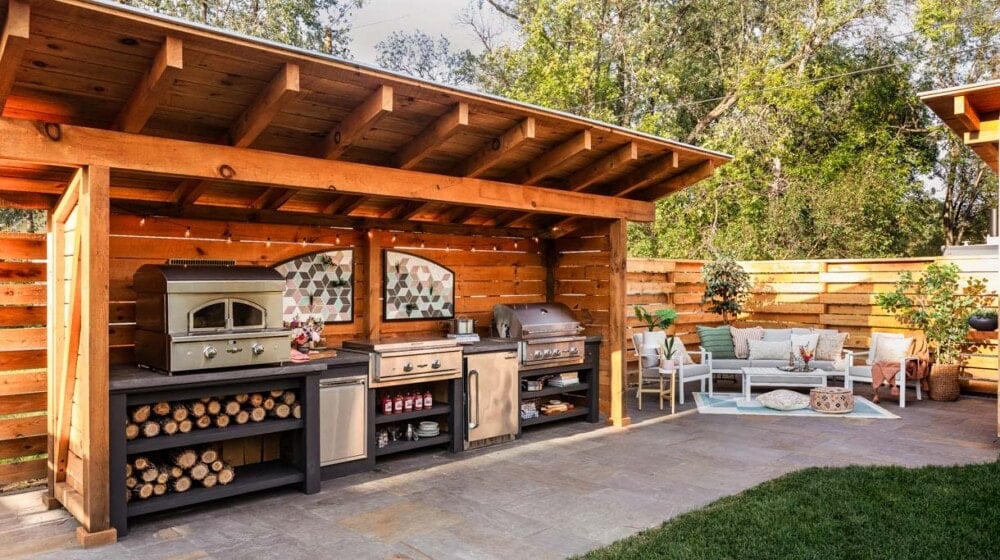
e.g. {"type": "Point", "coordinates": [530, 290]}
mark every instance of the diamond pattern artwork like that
{"type": "Point", "coordinates": [319, 284]}
{"type": "Point", "coordinates": [416, 288]}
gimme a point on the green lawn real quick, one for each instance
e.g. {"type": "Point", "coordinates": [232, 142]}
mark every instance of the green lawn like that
{"type": "Point", "coordinates": [854, 512]}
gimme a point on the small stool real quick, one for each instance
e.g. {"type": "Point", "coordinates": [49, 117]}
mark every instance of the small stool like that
{"type": "Point", "coordinates": [831, 400]}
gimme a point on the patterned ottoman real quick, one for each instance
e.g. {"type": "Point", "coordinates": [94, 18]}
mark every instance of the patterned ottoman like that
{"type": "Point", "coordinates": [831, 400]}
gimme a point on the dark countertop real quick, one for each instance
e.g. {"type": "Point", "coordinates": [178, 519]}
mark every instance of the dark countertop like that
{"type": "Point", "coordinates": [134, 378]}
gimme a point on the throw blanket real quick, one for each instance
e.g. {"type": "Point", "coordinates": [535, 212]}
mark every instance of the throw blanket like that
{"type": "Point", "coordinates": [884, 373]}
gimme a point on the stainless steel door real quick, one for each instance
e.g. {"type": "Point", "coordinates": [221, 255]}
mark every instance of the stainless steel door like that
{"type": "Point", "coordinates": [343, 418]}
{"type": "Point", "coordinates": [492, 388]}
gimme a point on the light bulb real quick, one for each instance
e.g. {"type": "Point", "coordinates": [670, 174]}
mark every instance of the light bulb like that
{"type": "Point", "coordinates": [187, 233]}
{"type": "Point", "coordinates": [268, 241]}
{"type": "Point", "coordinates": [142, 221]}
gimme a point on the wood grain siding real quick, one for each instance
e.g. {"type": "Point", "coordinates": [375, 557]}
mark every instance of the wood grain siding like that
{"type": "Point", "coordinates": [836, 294]}
{"type": "Point", "coordinates": [23, 402]}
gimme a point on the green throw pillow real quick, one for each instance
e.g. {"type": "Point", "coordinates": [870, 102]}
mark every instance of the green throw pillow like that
{"type": "Point", "coordinates": [718, 341]}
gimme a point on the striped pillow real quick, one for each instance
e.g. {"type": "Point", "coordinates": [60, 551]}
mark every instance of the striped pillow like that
{"type": "Point", "coordinates": [718, 341]}
{"type": "Point", "coordinates": [742, 336]}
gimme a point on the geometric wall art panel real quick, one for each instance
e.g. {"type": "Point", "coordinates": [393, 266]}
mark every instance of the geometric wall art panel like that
{"type": "Point", "coordinates": [416, 288]}
{"type": "Point", "coordinates": [319, 285]}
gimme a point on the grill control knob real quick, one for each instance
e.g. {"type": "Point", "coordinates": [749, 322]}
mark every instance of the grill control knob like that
{"type": "Point", "coordinates": [436, 364]}
{"type": "Point", "coordinates": [573, 351]}
{"type": "Point", "coordinates": [210, 352]}
{"type": "Point", "coordinates": [407, 367]}
{"type": "Point", "coordinates": [548, 353]}
{"type": "Point", "coordinates": [538, 354]}
{"type": "Point", "coordinates": [257, 349]}
{"type": "Point", "coordinates": [557, 352]}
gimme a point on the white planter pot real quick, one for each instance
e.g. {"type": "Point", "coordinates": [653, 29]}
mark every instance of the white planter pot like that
{"type": "Point", "coordinates": [667, 364]}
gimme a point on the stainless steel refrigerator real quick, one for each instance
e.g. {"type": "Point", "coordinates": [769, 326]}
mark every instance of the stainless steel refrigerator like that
{"type": "Point", "coordinates": [492, 398]}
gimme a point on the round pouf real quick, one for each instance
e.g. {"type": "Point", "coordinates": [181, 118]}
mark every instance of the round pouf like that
{"type": "Point", "coordinates": [831, 400]}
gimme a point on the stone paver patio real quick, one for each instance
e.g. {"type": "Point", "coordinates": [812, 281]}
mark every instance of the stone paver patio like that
{"type": "Point", "coordinates": [560, 490]}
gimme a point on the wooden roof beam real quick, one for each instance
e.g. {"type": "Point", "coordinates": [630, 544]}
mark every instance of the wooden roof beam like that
{"type": "Point", "coordinates": [433, 136]}
{"type": "Point", "coordinates": [273, 198]}
{"type": "Point", "coordinates": [966, 114]}
{"type": "Point", "coordinates": [987, 132]}
{"type": "Point", "coordinates": [649, 174]}
{"type": "Point", "coordinates": [679, 182]}
{"type": "Point", "coordinates": [38, 186]}
{"type": "Point", "coordinates": [556, 157]}
{"type": "Point", "coordinates": [459, 214]}
{"type": "Point", "coordinates": [497, 149]}
{"type": "Point", "coordinates": [282, 89]}
{"type": "Point", "coordinates": [13, 43]}
{"type": "Point", "coordinates": [405, 210]}
{"type": "Point", "coordinates": [627, 154]}
{"type": "Point", "coordinates": [23, 141]}
{"type": "Point", "coordinates": [359, 122]}
{"type": "Point", "coordinates": [153, 88]}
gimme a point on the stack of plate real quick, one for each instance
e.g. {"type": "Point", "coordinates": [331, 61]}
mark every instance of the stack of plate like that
{"type": "Point", "coordinates": [428, 429]}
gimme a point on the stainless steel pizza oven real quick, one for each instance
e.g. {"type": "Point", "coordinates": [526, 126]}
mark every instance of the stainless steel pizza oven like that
{"type": "Point", "coordinates": [196, 317]}
{"type": "Point", "coordinates": [548, 333]}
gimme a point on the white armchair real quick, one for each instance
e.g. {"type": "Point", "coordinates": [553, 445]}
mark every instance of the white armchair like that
{"type": "Point", "coordinates": [651, 378]}
{"type": "Point", "coordinates": [863, 372]}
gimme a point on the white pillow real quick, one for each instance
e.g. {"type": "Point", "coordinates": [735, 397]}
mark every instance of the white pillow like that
{"type": "Point", "coordinates": [777, 334]}
{"type": "Point", "coordinates": [807, 340]}
{"type": "Point", "coordinates": [769, 349]}
{"type": "Point", "coordinates": [876, 338]}
{"type": "Point", "coordinates": [892, 349]}
{"type": "Point", "coordinates": [783, 399]}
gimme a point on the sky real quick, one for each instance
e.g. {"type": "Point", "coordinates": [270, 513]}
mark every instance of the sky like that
{"type": "Point", "coordinates": [378, 18]}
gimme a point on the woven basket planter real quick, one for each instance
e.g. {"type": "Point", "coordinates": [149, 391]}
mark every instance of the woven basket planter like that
{"type": "Point", "coordinates": [944, 382]}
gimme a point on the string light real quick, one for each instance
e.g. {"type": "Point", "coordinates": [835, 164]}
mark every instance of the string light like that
{"type": "Point", "coordinates": [473, 248]}
{"type": "Point", "coordinates": [535, 239]}
{"type": "Point", "coordinates": [394, 238]}
{"type": "Point", "coordinates": [337, 239]}
{"type": "Point", "coordinates": [303, 241]}
{"type": "Point", "coordinates": [371, 234]}
{"type": "Point", "coordinates": [515, 244]}
{"type": "Point", "coordinates": [495, 248]}
{"type": "Point", "coordinates": [142, 221]}
{"type": "Point", "coordinates": [229, 239]}
{"type": "Point", "coordinates": [421, 244]}
{"type": "Point", "coordinates": [187, 233]}
{"type": "Point", "coordinates": [268, 241]}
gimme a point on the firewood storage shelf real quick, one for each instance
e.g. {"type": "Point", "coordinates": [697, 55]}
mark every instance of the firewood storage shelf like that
{"type": "Point", "coordinates": [587, 390]}
{"type": "Point", "coordinates": [300, 463]}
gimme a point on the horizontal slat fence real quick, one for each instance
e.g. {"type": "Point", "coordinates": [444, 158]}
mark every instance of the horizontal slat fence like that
{"type": "Point", "coordinates": [22, 357]}
{"type": "Point", "coordinates": [836, 294]}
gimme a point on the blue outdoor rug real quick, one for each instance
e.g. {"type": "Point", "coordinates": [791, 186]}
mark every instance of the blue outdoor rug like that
{"type": "Point", "coordinates": [734, 403]}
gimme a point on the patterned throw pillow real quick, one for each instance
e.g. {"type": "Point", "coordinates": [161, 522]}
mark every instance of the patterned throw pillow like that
{"type": "Point", "coordinates": [783, 399]}
{"type": "Point", "coordinates": [718, 341]}
{"type": "Point", "coordinates": [742, 336]}
{"type": "Point", "coordinates": [769, 349]}
{"type": "Point", "coordinates": [830, 346]}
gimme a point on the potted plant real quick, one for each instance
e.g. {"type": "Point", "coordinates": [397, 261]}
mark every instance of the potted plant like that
{"type": "Point", "coordinates": [659, 319]}
{"type": "Point", "coordinates": [984, 319]}
{"type": "Point", "coordinates": [937, 304]}
{"type": "Point", "coordinates": [667, 354]}
{"type": "Point", "coordinates": [727, 287]}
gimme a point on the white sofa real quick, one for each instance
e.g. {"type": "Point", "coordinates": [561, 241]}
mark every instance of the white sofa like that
{"type": "Point", "coordinates": [734, 366]}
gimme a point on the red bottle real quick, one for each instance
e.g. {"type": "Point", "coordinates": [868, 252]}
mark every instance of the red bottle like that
{"type": "Point", "coordinates": [386, 404]}
{"type": "Point", "coordinates": [418, 401]}
{"type": "Point", "coordinates": [428, 399]}
{"type": "Point", "coordinates": [397, 404]}
{"type": "Point", "coordinates": [408, 402]}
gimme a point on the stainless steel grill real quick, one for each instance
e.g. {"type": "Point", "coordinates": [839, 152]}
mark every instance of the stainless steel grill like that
{"type": "Point", "coordinates": [548, 333]}
{"type": "Point", "coordinates": [207, 317]}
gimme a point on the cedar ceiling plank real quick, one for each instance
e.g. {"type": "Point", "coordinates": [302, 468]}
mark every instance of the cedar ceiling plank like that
{"type": "Point", "coordinates": [153, 88]}
{"type": "Point", "coordinates": [344, 205]}
{"type": "Point", "coordinates": [284, 196]}
{"type": "Point", "coordinates": [648, 174]}
{"type": "Point", "coordinates": [521, 220]}
{"type": "Point", "coordinates": [22, 140]}
{"type": "Point", "coordinates": [556, 157]}
{"type": "Point", "coordinates": [282, 89]}
{"type": "Point", "coordinates": [272, 198]}
{"type": "Point", "coordinates": [409, 210]}
{"type": "Point", "coordinates": [360, 121]}
{"type": "Point", "coordinates": [625, 155]}
{"type": "Point", "coordinates": [679, 182]}
{"type": "Point", "coordinates": [13, 43]}
{"type": "Point", "coordinates": [459, 215]}
{"type": "Point", "coordinates": [432, 137]}
{"type": "Point", "coordinates": [497, 149]}
{"type": "Point", "coordinates": [189, 190]}
{"type": "Point", "coordinates": [966, 114]}
{"type": "Point", "coordinates": [563, 226]}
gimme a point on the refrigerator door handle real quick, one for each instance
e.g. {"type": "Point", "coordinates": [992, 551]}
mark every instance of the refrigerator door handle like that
{"type": "Point", "coordinates": [473, 398]}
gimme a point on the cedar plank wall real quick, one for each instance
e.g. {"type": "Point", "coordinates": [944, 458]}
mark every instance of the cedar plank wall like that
{"type": "Point", "coordinates": [22, 357]}
{"type": "Point", "coordinates": [836, 294]}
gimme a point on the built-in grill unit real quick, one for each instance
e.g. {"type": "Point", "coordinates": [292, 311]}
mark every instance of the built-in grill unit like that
{"type": "Point", "coordinates": [198, 317]}
{"type": "Point", "coordinates": [548, 333]}
{"type": "Point", "coordinates": [398, 361]}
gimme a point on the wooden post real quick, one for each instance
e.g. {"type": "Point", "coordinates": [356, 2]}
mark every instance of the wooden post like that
{"type": "Point", "coordinates": [617, 233]}
{"type": "Point", "coordinates": [373, 274]}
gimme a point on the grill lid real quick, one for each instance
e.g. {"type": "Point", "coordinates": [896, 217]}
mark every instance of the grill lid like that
{"type": "Point", "coordinates": [534, 320]}
{"type": "Point", "coordinates": [158, 279]}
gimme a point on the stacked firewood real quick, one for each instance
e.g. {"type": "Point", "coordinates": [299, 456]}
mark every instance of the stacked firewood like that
{"type": "Point", "coordinates": [168, 418]}
{"type": "Point", "coordinates": [177, 471]}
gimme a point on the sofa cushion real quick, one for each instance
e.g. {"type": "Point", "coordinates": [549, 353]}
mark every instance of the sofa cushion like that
{"type": "Point", "coordinates": [770, 349]}
{"type": "Point", "coordinates": [718, 341]}
{"type": "Point", "coordinates": [830, 346]}
{"type": "Point", "coordinates": [769, 363]}
{"type": "Point", "coordinates": [807, 340]}
{"type": "Point", "coordinates": [728, 364]}
{"type": "Point", "coordinates": [783, 399]}
{"type": "Point", "coordinates": [777, 334]}
{"type": "Point", "coordinates": [740, 338]}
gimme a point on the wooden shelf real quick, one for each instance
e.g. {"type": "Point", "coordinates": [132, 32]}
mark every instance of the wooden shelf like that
{"type": "Point", "coordinates": [249, 478]}
{"type": "Point", "coordinates": [542, 418]}
{"type": "Point", "coordinates": [400, 446]}
{"type": "Point", "coordinates": [554, 391]}
{"type": "Point", "coordinates": [404, 416]}
{"type": "Point", "coordinates": [208, 435]}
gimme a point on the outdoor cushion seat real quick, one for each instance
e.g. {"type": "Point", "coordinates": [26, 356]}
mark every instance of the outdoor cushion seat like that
{"type": "Point", "coordinates": [863, 372]}
{"type": "Point", "coordinates": [650, 378]}
{"type": "Point", "coordinates": [768, 357]}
